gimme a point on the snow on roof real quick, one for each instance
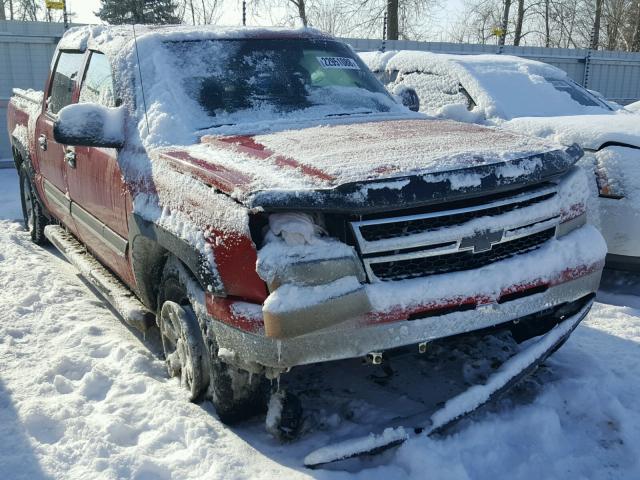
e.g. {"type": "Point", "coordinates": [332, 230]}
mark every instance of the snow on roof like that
{"type": "Point", "coordinates": [114, 37]}
{"type": "Point", "coordinates": [504, 86]}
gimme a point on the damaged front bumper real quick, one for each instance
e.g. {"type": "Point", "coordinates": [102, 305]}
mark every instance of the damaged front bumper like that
{"type": "Point", "coordinates": [371, 333]}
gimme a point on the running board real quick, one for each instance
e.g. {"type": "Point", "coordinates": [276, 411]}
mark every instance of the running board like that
{"type": "Point", "coordinates": [113, 290]}
{"type": "Point", "coordinates": [469, 401]}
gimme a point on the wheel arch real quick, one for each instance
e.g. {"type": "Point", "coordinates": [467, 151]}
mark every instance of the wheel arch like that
{"type": "Point", "coordinates": [151, 245]}
{"type": "Point", "coordinates": [20, 155]}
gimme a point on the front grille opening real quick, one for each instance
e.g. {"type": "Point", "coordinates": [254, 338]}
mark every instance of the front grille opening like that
{"type": "Point", "coordinates": [461, 261]}
{"type": "Point", "coordinates": [381, 231]}
{"type": "Point", "coordinates": [510, 297]}
{"type": "Point", "coordinates": [465, 307]}
{"type": "Point", "coordinates": [423, 248]}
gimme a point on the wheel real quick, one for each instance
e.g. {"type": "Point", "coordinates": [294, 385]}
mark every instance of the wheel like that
{"type": "Point", "coordinates": [183, 347]}
{"type": "Point", "coordinates": [236, 394]}
{"type": "Point", "coordinates": [34, 219]}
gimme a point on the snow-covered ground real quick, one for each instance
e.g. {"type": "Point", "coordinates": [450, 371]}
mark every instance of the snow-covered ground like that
{"type": "Point", "coordinates": [83, 396]}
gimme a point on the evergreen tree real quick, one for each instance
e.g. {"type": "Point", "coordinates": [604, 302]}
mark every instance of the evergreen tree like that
{"type": "Point", "coordinates": [117, 12]}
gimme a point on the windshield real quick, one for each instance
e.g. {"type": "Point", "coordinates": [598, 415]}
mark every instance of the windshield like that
{"type": "Point", "coordinates": [510, 87]}
{"type": "Point", "coordinates": [234, 81]}
{"type": "Point", "coordinates": [577, 93]}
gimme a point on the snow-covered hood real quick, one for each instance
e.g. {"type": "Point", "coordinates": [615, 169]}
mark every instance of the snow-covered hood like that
{"type": "Point", "coordinates": [368, 165]}
{"type": "Point", "coordinates": [589, 131]}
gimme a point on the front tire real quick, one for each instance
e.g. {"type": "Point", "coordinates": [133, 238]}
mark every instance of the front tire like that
{"type": "Point", "coordinates": [183, 347]}
{"type": "Point", "coordinates": [236, 394]}
{"type": "Point", "coordinates": [33, 217]}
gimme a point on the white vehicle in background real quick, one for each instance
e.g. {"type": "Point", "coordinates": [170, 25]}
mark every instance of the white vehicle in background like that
{"type": "Point", "coordinates": [541, 100]}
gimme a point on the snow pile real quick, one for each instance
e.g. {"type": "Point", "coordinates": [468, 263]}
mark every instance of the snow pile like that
{"type": "Point", "coordinates": [82, 397]}
{"type": "Point", "coordinates": [583, 424]}
{"type": "Point", "coordinates": [294, 228]}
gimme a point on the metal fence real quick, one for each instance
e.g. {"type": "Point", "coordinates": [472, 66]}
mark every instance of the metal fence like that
{"type": "Point", "coordinates": [26, 49]}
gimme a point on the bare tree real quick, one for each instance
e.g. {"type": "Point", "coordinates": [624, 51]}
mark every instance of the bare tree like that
{"type": "Point", "coordinates": [505, 22]}
{"type": "Point", "coordinates": [547, 24]}
{"type": "Point", "coordinates": [635, 45]}
{"type": "Point", "coordinates": [302, 11]}
{"type": "Point", "coordinates": [517, 35]}
{"type": "Point", "coordinates": [595, 36]}
{"type": "Point", "coordinates": [199, 12]}
{"type": "Point", "coordinates": [393, 27]}
{"type": "Point", "coordinates": [27, 10]}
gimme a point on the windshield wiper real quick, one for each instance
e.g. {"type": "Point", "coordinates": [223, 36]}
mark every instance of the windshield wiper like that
{"type": "Point", "coordinates": [348, 114]}
{"type": "Point", "coordinates": [216, 125]}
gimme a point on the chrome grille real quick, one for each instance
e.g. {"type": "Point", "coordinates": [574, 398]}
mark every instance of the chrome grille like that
{"type": "Point", "coordinates": [412, 246]}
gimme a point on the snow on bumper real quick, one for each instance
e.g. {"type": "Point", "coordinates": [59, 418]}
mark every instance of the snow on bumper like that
{"type": "Point", "coordinates": [392, 314]}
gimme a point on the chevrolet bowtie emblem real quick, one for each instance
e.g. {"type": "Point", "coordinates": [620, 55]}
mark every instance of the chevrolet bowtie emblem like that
{"type": "Point", "coordinates": [481, 241]}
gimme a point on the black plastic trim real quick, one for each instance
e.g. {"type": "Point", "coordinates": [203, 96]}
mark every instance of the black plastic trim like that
{"type": "Point", "coordinates": [149, 243]}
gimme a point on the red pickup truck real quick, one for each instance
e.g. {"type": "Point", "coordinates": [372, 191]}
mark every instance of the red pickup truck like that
{"type": "Point", "coordinates": [259, 197]}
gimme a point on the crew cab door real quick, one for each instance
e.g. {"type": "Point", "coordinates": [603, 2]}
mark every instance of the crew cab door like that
{"type": "Point", "coordinates": [59, 93]}
{"type": "Point", "coordinates": [98, 192]}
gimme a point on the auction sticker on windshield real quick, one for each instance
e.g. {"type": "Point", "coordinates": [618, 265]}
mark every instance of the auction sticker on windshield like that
{"type": "Point", "coordinates": [338, 62]}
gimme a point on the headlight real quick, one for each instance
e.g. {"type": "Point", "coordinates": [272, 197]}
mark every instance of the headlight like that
{"type": "Point", "coordinates": [297, 250]}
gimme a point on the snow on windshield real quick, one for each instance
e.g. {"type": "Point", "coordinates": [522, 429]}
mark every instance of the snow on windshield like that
{"type": "Point", "coordinates": [207, 84]}
{"type": "Point", "coordinates": [521, 88]}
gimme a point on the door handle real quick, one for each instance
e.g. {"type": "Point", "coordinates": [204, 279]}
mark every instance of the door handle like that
{"type": "Point", "coordinates": [42, 141]}
{"type": "Point", "coordinates": [70, 157]}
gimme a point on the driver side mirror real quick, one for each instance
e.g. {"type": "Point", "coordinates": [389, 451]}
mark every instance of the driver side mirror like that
{"type": "Point", "coordinates": [409, 99]}
{"type": "Point", "coordinates": [90, 125]}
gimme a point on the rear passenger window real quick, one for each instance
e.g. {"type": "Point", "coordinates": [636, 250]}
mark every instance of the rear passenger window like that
{"type": "Point", "coordinates": [436, 90]}
{"type": "Point", "coordinates": [98, 82]}
{"type": "Point", "coordinates": [64, 77]}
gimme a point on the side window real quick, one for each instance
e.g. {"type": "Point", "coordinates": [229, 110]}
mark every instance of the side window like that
{"type": "Point", "coordinates": [436, 90]}
{"type": "Point", "coordinates": [64, 78]}
{"type": "Point", "coordinates": [97, 86]}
